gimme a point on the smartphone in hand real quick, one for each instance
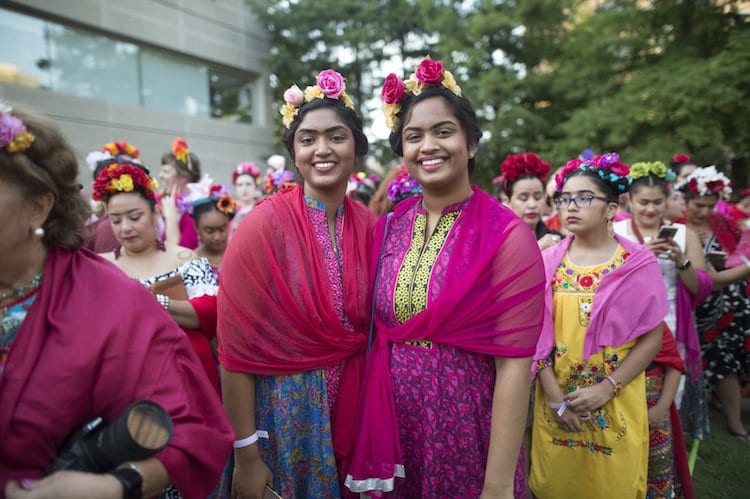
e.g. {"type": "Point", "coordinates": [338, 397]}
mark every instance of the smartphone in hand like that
{"type": "Point", "coordinates": [667, 232]}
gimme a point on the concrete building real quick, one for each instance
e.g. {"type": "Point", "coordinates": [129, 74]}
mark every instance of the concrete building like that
{"type": "Point", "coordinates": [144, 71]}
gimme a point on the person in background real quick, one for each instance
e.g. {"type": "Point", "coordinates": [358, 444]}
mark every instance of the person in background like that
{"type": "Point", "coordinates": [523, 179]}
{"type": "Point", "coordinates": [246, 181]}
{"type": "Point", "coordinates": [723, 320]}
{"type": "Point", "coordinates": [294, 306]}
{"type": "Point", "coordinates": [275, 174]}
{"type": "Point", "coordinates": [179, 167]}
{"type": "Point", "coordinates": [381, 202]}
{"type": "Point", "coordinates": [740, 210]}
{"type": "Point", "coordinates": [605, 305]}
{"type": "Point", "coordinates": [682, 166]}
{"type": "Point", "coordinates": [458, 307]}
{"type": "Point", "coordinates": [81, 340]}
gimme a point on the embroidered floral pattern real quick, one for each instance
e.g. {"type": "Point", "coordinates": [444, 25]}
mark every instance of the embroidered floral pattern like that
{"type": "Point", "coordinates": [572, 443]}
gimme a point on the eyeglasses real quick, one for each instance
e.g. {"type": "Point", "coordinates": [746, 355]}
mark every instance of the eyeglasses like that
{"type": "Point", "coordinates": [580, 201]}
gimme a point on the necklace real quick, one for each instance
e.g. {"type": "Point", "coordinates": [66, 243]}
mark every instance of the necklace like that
{"type": "Point", "coordinates": [23, 290]}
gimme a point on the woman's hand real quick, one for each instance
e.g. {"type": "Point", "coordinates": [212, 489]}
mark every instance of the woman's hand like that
{"type": "Point", "coordinates": [169, 205]}
{"type": "Point", "coordinates": [590, 398]}
{"type": "Point", "coordinates": [67, 484]}
{"type": "Point", "coordinates": [251, 475]}
{"type": "Point", "coordinates": [548, 240]}
{"type": "Point", "coordinates": [656, 415]}
{"type": "Point", "coordinates": [659, 246]}
{"type": "Point", "coordinates": [569, 421]}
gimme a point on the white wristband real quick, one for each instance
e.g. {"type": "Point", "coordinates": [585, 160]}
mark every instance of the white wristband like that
{"type": "Point", "coordinates": [745, 260]}
{"type": "Point", "coordinates": [560, 407]}
{"type": "Point", "coordinates": [239, 444]}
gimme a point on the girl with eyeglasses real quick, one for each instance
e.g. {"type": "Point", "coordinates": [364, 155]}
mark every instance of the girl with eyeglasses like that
{"type": "Point", "coordinates": [605, 303]}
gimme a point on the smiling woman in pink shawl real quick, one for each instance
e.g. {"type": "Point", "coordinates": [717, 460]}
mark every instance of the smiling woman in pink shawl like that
{"type": "Point", "coordinates": [605, 303]}
{"type": "Point", "coordinates": [457, 312]}
{"type": "Point", "coordinates": [79, 340]}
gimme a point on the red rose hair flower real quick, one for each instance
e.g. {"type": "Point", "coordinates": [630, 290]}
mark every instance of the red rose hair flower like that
{"type": "Point", "coordinates": [527, 163]}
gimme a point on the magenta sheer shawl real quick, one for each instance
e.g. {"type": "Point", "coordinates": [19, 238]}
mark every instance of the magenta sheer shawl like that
{"type": "Point", "coordinates": [686, 334]}
{"type": "Point", "coordinates": [629, 302]}
{"type": "Point", "coordinates": [491, 304]}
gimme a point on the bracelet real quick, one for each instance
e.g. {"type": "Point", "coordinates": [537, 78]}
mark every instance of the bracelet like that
{"type": "Point", "coordinates": [617, 385]}
{"type": "Point", "coordinates": [239, 444]}
{"type": "Point", "coordinates": [745, 260]}
{"type": "Point", "coordinates": [561, 407]}
{"type": "Point", "coordinates": [163, 301]}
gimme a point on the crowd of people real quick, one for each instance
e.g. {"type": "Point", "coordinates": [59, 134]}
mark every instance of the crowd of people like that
{"type": "Point", "coordinates": [326, 333]}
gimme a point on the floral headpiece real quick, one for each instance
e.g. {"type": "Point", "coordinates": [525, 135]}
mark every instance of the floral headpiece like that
{"type": "Point", "coordinates": [180, 149]}
{"type": "Point", "coordinates": [122, 177]}
{"type": "Point", "coordinates": [120, 148]}
{"type": "Point", "coordinates": [330, 85]}
{"type": "Point", "coordinates": [655, 168]}
{"type": "Point", "coordinates": [526, 163]}
{"type": "Point", "coordinates": [246, 168]}
{"type": "Point", "coordinates": [607, 166]}
{"type": "Point", "coordinates": [13, 134]}
{"type": "Point", "coordinates": [429, 73]}
{"type": "Point", "coordinates": [278, 180]}
{"type": "Point", "coordinates": [403, 187]}
{"type": "Point", "coordinates": [706, 181]}
{"type": "Point", "coordinates": [205, 192]}
{"type": "Point", "coordinates": [680, 158]}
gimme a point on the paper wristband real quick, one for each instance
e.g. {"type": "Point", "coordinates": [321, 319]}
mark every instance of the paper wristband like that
{"type": "Point", "coordinates": [239, 444]}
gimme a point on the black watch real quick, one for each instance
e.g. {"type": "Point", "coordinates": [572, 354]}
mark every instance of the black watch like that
{"type": "Point", "coordinates": [685, 265]}
{"type": "Point", "coordinates": [131, 480]}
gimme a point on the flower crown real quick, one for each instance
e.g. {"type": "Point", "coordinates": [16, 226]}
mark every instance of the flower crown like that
{"type": "Point", "coordinates": [122, 177]}
{"type": "Point", "coordinates": [330, 85]}
{"type": "Point", "coordinates": [706, 181]}
{"type": "Point", "coordinates": [403, 187]}
{"type": "Point", "coordinates": [527, 163]}
{"type": "Point", "coordinates": [13, 134]}
{"type": "Point", "coordinates": [278, 180]}
{"type": "Point", "coordinates": [429, 73]}
{"type": "Point", "coordinates": [680, 158]}
{"type": "Point", "coordinates": [121, 147]}
{"type": "Point", "coordinates": [204, 192]}
{"type": "Point", "coordinates": [246, 168]}
{"type": "Point", "coordinates": [607, 166]}
{"type": "Point", "coordinates": [655, 168]}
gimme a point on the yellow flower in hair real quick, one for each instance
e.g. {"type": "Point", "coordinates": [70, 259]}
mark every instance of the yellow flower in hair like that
{"type": "Point", "coordinates": [644, 168]}
{"type": "Point", "coordinates": [346, 100]}
{"type": "Point", "coordinates": [288, 112]}
{"type": "Point", "coordinates": [153, 185]}
{"type": "Point", "coordinates": [449, 82]}
{"type": "Point", "coordinates": [413, 85]}
{"type": "Point", "coordinates": [313, 92]}
{"type": "Point", "coordinates": [22, 142]}
{"type": "Point", "coordinates": [123, 184]}
{"type": "Point", "coordinates": [391, 110]}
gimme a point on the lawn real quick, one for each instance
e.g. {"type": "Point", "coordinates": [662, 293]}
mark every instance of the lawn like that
{"type": "Point", "coordinates": [723, 466]}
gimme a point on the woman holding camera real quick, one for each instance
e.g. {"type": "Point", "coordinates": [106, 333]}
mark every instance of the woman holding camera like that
{"type": "Point", "coordinates": [81, 340]}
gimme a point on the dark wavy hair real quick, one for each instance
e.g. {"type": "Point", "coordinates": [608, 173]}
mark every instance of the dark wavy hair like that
{"type": "Point", "coordinates": [350, 118]}
{"type": "Point", "coordinates": [49, 165]}
{"type": "Point", "coordinates": [649, 180]}
{"type": "Point", "coordinates": [460, 106]}
{"type": "Point", "coordinates": [189, 169]}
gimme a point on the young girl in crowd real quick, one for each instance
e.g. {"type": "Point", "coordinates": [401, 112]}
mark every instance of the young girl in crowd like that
{"type": "Point", "coordinates": [294, 308]}
{"type": "Point", "coordinates": [605, 303]}
{"type": "Point", "coordinates": [523, 180]}
{"type": "Point", "coordinates": [457, 313]}
{"type": "Point", "coordinates": [179, 167]}
{"type": "Point", "coordinates": [724, 318]}
{"type": "Point", "coordinates": [246, 181]}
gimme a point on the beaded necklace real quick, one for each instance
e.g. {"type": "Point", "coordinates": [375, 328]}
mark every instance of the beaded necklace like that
{"type": "Point", "coordinates": [23, 290]}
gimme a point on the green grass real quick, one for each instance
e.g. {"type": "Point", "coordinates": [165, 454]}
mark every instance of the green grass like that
{"type": "Point", "coordinates": [723, 466]}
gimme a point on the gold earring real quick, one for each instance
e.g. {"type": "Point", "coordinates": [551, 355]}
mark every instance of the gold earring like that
{"type": "Point", "coordinates": [610, 228]}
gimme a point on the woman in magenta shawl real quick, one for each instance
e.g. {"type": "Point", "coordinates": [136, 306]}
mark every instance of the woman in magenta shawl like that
{"type": "Point", "coordinates": [80, 339]}
{"type": "Point", "coordinates": [294, 308]}
{"type": "Point", "coordinates": [457, 313]}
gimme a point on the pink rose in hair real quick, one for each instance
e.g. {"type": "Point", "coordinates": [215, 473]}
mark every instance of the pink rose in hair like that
{"type": "Point", "coordinates": [620, 169]}
{"type": "Point", "coordinates": [393, 89]}
{"type": "Point", "coordinates": [294, 96]}
{"type": "Point", "coordinates": [331, 83]}
{"type": "Point", "coordinates": [10, 128]}
{"type": "Point", "coordinates": [430, 72]}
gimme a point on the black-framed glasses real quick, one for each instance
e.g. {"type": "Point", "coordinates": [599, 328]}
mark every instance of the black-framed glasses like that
{"type": "Point", "coordinates": [583, 201]}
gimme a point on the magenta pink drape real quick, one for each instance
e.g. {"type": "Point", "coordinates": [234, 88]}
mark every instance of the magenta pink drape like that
{"type": "Point", "coordinates": [276, 311]}
{"type": "Point", "coordinates": [491, 303]}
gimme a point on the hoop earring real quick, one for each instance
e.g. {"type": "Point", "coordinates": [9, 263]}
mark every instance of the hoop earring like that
{"type": "Point", "coordinates": [39, 232]}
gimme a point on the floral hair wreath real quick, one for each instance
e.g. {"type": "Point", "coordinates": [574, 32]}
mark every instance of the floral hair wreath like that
{"type": "Point", "coordinates": [123, 177]}
{"type": "Point", "coordinates": [330, 85]}
{"type": "Point", "coordinates": [403, 187]}
{"type": "Point", "coordinates": [526, 163]}
{"type": "Point", "coordinates": [607, 166]}
{"type": "Point", "coordinates": [13, 134]}
{"type": "Point", "coordinates": [429, 73]}
{"type": "Point", "coordinates": [205, 192]}
{"type": "Point", "coordinates": [705, 182]}
{"type": "Point", "coordinates": [278, 180]}
{"type": "Point", "coordinates": [121, 147]}
{"type": "Point", "coordinates": [656, 168]}
{"type": "Point", "coordinates": [246, 168]}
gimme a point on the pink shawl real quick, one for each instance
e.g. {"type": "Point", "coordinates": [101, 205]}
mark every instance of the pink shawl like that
{"type": "Point", "coordinates": [491, 304]}
{"type": "Point", "coordinates": [686, 334]}
{"type": "Point", "coordinates": [629, 302]}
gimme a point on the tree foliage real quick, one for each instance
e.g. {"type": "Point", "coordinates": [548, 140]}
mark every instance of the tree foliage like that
{"type": "Point", "coordinates": [647, 79]}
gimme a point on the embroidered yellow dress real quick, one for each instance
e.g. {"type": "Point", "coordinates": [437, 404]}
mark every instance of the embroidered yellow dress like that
{"type": "Point", "coordinates": [609, 458]}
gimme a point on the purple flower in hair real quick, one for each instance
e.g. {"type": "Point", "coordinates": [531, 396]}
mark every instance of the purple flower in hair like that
{"type": "Point", "coordinates": [609, 159]}
{"type": "Point", "coordinates": [587, 154]}
{"type": "Point", "coordinates": [10, 128]}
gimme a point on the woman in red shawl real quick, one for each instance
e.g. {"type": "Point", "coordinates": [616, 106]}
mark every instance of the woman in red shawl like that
{"type": "Point", "coordinates": [458, 312]}
{"type": "Point", "coordinates": [79, 339]}
{"type": "Point", "coordinates": [294, 308]}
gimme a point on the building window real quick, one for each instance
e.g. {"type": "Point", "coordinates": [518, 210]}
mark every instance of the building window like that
{"type": "Point", "coordinates": [39, 53]}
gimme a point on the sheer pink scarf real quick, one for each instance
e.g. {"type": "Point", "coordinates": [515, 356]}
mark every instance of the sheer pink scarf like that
{"type": "Point", "coordinates": [491, 304]}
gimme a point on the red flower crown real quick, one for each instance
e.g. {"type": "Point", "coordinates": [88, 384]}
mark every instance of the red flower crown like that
{"type": "Point", "coordinates": [118, 177]}
{"type": "Point", "coordinates": [526, 163]}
